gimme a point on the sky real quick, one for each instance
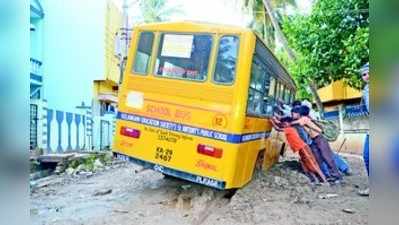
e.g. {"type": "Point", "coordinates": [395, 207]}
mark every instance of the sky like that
{"type": "Point", "coordinates": [214, 11]}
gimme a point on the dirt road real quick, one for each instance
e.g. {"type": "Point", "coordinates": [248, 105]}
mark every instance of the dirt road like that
{"type": "Point", "coordinates": [126, 194]}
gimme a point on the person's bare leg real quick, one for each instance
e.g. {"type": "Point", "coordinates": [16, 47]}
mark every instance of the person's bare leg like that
{"type": "Point", "coordinates": [320, 174]}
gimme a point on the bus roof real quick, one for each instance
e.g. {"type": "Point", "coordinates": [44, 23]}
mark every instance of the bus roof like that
{"type": "Point", "coordinates": [193, 25]}
{"type": "Point", "coordinates": [284, 75]}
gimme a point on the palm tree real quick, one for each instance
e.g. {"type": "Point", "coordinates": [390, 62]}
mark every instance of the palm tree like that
{"type": "Point", "coordinates": [266, 23]}
{"type": "Point", "coordinates": [260, 22]}
{"type": "Point", "coordinates": [268, 7]}
{"type": "Point", "coordinates": [157, 10]}
{"type": "Point", "coordinates": [280, 35]}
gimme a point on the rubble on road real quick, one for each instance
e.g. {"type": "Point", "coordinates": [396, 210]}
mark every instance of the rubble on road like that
{"type": "Point", "coordinates": [71, 166]}
{"type": "Point", "coordinates": [120, 211]}
{"type": "Point", "coordinates": [350, 211]}
{"type": "Point", "coordinates": [69, 171]}
{"type": "Point", "coordinates": [103, 192]}
{"type": "Point", "coordinates": [70, 163]}
{"type": "Point", "coordinates": [39, 174]}
{"type": "Point", "coordinates": [186, 187]}
{"type": "Point", "coordinates": [327, 196]}
{"type": "Point", "coordinates": [89, 162]}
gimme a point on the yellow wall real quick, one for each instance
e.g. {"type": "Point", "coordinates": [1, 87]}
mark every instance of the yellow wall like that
{"type": "Point", "coordinates": [338, 91]}
{"type": "Point", "coordinates": [103, 87]}
{"type": "Point", "coordinates": [113, 22]}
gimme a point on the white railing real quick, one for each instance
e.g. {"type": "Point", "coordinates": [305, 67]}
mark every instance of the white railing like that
{"type": "Point", "coordinates": [35, 66]}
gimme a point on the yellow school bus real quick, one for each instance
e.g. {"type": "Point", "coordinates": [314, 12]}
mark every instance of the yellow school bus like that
{"type": "Point", "coordinates": [195, 102]}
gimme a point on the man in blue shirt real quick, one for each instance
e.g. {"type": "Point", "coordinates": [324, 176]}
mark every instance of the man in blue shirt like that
{"type": "Point", "coordinates": [364, 71]}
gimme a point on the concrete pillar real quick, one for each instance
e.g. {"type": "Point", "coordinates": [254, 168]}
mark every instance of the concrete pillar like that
{"type": "Point", "coordinates": [96, 126]}
{"type": "Point", "coordinates": [341, 118]}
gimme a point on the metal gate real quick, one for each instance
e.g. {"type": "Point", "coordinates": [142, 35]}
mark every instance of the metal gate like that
{"type": "Point", "coordinates": [33, 126]}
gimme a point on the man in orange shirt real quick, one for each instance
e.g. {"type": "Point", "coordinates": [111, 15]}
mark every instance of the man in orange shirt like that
{"type": "Point", "coordinates": [308, 161]}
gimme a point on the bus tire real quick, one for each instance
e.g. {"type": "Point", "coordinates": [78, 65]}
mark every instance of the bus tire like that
{"type": "Point", "coordinates": [282, 149]}
{"type": "Point", "coordinates": [259, 160]}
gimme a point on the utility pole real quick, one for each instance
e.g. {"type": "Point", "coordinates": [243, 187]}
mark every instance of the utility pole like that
{"type": "Point", "coordinates": [125, 25]}
{"type": "Point", "coordinates": [124, 37]}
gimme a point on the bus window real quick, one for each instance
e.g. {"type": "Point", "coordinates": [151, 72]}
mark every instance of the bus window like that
{"type": "Point", "coordinates": [287, 95]}
{"type": "Point", "coordinates": [281, 92]}
{"type": "Point", "coordinates": [255, 100]}
{"type": "Point", "coordinates": [268, 97]}
{"type": "Point", "coordinates": [256, 89]}
{"type": "Point", "coordinates": [272, 89]}
{"type": "Point", "coordinates": [277, 97]}
{"type": "Point", "coordinates": [226, 60]}
{"type": "Point", "coordinates": [184, 56]}
{"type": "Point", "coordinates": [143, 53]}
{"type": "Point", "coordinates": [292, 96]}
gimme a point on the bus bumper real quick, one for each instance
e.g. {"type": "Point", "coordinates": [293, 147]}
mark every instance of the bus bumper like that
{"type": "Point", "coordinates": [210, 182]}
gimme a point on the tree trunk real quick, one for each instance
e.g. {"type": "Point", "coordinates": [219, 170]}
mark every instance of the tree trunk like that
{"type": "Point", "coordinates": [291, 54]}
{"type": "Point", "coordinates": [265, 32]}
{"type": "Point", "coordinates": [279, 33]}
{"type": "Point", "coordinates": [319, 104]}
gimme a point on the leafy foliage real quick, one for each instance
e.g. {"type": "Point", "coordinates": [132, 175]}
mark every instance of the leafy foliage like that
{"type": "Point", "coordinates": [157, 10]}
{"type": "Point", "coordinates": [331, 43]}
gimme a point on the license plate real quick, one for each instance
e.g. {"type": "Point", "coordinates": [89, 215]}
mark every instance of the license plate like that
{"type": "Point", "coordinates": [163, 154]}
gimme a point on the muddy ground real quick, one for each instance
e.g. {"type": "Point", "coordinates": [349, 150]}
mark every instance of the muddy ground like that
{"type": "Point", "coordinates": [127, 194]}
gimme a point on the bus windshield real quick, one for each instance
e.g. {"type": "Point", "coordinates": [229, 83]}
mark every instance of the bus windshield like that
{"type": "Point", "coordinates": [184, 56]}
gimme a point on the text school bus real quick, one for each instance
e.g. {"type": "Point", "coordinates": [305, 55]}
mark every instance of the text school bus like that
{"type": "Point", "coordinates": [196, 100]}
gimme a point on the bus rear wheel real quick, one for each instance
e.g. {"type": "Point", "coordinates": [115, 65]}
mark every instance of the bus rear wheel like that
{"type": "Point", "coordinates": [259, 160]}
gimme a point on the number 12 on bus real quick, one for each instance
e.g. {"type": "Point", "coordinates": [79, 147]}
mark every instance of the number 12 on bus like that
{"type": "Point", "coordinates": [196, 100]}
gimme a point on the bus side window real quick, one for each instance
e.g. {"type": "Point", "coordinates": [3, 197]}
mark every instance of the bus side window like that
{"type": "Point", "coordinates": [268, 97]}
{"type": "Point", "coordinates": [277, 97]}
{"type": "Point", "coordinates": [289, 96]}
{"type": "Point", "coordinates": [281, 92]}
{"type": "Point", "coordinates": [256, 89]}
{"type": "Point", "coordinates": [292, 96]}
{"type": "Point", "coordinates": [286, 95]}
{"type": "Point", "coordinates": [226, 60]}
{"type": "Point", "coordinates": [272, 89]}
{"type": "Point", "coordinates": [272, 95]}
{"type": "Point", "coordinates": [261, 99]}
{"type": "Point", "coordinates": [143, 53]}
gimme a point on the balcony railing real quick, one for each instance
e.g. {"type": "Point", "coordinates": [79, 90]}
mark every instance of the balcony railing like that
{"type": "Point", "coordinates": [35, 66]}
{"type": "Point", "coordinates": [36, 70]}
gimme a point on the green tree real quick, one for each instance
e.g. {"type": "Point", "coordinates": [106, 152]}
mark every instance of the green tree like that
{"type": "Point", "coordinates": [331, 44]}
{"type": "Point", "coordinates": [157, 10]}
{"type": "Point", "coordinates": [273, 9]}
